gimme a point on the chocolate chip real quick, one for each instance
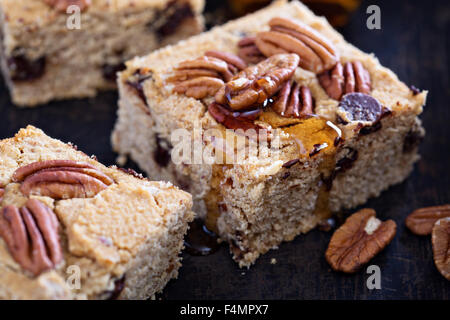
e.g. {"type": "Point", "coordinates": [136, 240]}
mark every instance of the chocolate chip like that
{"type": "Point", "coordinates": [290, 163]}
{"type": "Point", "coordinates": [286, 175]}
{"type": "Point", "coordinates": [370, 129]}
{"type": "Point", "coordinates": [347, 162]}
{"type": "Point", "coordinates": [342, 165]}
{"type": "Point", "coordinates": [162, 153]}
{"type": "Point", "coordinates": [317, 148]}
{"type": "Point", "coordinates": [23, 69]}
{"type": "Point", "coordinates": [361, 107]}
{"type": "Point", "coordinates": [415, 90]}
{"type": "Point", "coordinates": [133, 173]}
{"type": "Point", "coordinates": [136, 81]}
{"type": "Point", "coordinates": [411, 141]}
{"type": "Point", "coordinates": [171, 18]}
{"type": "Point", "coordinates": [110, 71]}
{"type": "Point", "coordinates": [119, 284]}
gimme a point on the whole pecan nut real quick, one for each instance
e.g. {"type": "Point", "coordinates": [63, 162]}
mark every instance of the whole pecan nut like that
{"type": "Point", "coordinates": [254, 85]}
{"type": "Point", "coordinates": [62, 5]}
{"type": "Point", "coordinates": [358, 240]}
{"type": "Point", "coordinates": [61, 179]}
{"type": "Point", "coordinates": [352, 77]}
{"type": "Point", "coordinates": [421, 221]}
{"type": "Point", "coordinates": [204, 76]}
{"type": "Point", "coordinates": [293, 101]}
{"type": "Point", "coordinates": [31, 235]}
{"type": "Point", "coordinates": [249, 52]}
{"type": "Point", "coordinates": [440, 238]}
{"type": "Point", "coordinates": [316, 53]}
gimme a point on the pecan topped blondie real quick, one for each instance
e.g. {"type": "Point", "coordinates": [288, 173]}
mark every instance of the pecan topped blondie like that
{"type": "Point", "coordinates": [332, 127]}
{"type": "Point", "coordinates": [59, 49]}
{"type": "Point", "coordinates": [71, 228]}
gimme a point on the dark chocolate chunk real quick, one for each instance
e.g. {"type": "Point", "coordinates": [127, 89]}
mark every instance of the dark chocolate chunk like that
{"type": "Point", "coordinates": [290, 163]}
{"type": "Point", "coordinates": [119, 284]}
{"type": "Point", "coordinates": [342, 165]}
{"type": "Point", "coordinates": [110, 71]}
{"type": "Point", "coordinates": [23, 69]}
{"type": "Point", "coordinates": [361, 107]}
{"type": "Point", "coordinates": [162, 152]}
{"type": "Point", "coordinates": [286, 175]}
{"type": "Point", "coordinates": [415, 90]}
{"type": "Point", "coordinates": [169, 19]}
{"type": "Point", "coordinates": [200, 241]}
{"type": "Point", "coordinates": [412, 140]}
{"type": "Point", "coordinates": [136, 81]}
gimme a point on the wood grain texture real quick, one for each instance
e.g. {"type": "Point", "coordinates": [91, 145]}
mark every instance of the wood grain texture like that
{"type": "Point", "coordinates": [414, 43]}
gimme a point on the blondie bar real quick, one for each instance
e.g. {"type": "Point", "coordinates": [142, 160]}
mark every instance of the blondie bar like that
{"type": "Point", "coordinates": [71, 228]}
{"type": "Point", "coordinates": [58, 49]}
{"type": "Point", "coordinates": [338, 127]}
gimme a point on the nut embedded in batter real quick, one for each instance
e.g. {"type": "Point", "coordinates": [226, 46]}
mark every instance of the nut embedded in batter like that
{"type": "Point", "coordinates": [31, 234]}
{"type": "Point", "coordinates": [61, 179]}
{"type": "Point", "coordinates": [316, 53]}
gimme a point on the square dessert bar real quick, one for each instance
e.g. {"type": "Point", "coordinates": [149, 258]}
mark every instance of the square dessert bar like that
{"type": "Point", "coordinates": [71, 228]}
{"type": "Point", "coordinates": [46, 55]}
{"type": "Point", "coordinates": [345, 127]}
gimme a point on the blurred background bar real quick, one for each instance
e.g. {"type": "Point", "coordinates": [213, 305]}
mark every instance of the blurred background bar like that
{"type": "Point", "coordinates": [337, 11]}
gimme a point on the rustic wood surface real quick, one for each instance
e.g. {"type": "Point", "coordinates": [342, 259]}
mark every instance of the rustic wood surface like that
{"type": "Point", "coordinates": [414, 42]}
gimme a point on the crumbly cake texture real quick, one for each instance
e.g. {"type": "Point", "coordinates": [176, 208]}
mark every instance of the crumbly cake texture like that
{"type": "Point", "coordinates": [258, 205]}
{"type": "Point", "coordinates": [43, 60]}
{"type": "Point", "coordinates": [125, 240]}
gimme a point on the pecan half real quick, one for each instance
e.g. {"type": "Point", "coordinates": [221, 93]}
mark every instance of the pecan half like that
{"type": "Point", "coordinates": [31, 234]}
{"type": "Point", "coordinates": [62, 5]}
{"type": "Point", "coordinates": [358, 240]}
{"type": "Point", "coordinates": [316, 53]}
{"type": "Point", "coordinates": [204, 76]}
{"type": "Point", "coordinates": [234, 120]}
{"type": "Point", "coordinates": [440, 238]}
{"type": "Point", "coordinates": [249, 52]}
{"type": "Point", "coordinates": [352, 77]}
{"type": "Point", "coordinates": [256, 84]}
{"type": "Point", "coordinates": [61, 179]}
{"type": "Point", "coordinates": [421, 221]}
{"type": "Point", "coordinates": [293, 101]}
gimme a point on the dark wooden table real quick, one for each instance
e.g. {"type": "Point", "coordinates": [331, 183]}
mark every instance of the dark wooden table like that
{"type": "Point", "coordinates": [414, 42]}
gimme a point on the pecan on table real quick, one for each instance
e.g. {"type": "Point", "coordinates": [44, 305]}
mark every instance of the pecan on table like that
{"type": "Point", "coordinates": [352, 77]}
{"type": "Point", "coordinates": [204, 76]}
{"type": "Point", "coordinates": [249, 52]}
{"type": "Point", "coordinates": [31, 235]}
{"type": "Point", "coordinates": [421, 221]}
{"type": "Point", "coordinates": [256, 84]}
{"type": "Point", "coordinates": [293, 101]}
{"type": "Point", "coordinates": [440, 238]}
{"type": "Point", "coordinates": [358, 240]}
{"type": "Point", "coordinates": [61, 179]}
{"type": "Point", "coordinates": [317, 54]}
{"type": "Point", "coordinates": [62, 5]}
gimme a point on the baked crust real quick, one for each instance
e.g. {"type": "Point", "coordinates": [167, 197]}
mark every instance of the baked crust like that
{"type": "Point", "coordinates": [131, 230]}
